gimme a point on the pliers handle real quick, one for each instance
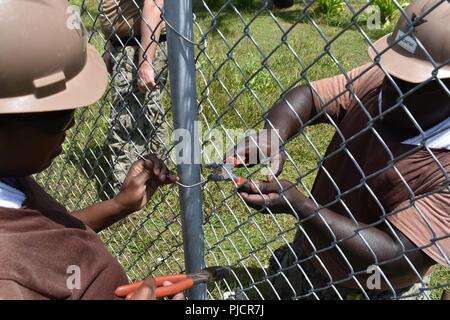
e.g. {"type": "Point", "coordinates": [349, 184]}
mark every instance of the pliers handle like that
{"type": "Point", "coordinates": [180, 282]}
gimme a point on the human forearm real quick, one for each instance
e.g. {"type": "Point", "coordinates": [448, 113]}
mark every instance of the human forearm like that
{"type": "Point", "coordinates": [101, 215]}
{"type": "Point", "coordinates": [363, 245]}
{"type": "Point", "coordinates": [290, 113]}
{"type": "Point", "coordinates": [333, 235]}
{"type": "Point", "coordinates": [325, 226]}
{"type": "Point", "coordinates": [150, 30]}
{"type": "Point", "coordinates": [142, 180]}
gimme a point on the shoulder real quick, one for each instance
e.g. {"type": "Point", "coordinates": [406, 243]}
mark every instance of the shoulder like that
{"type": "Point", "coordinates": [367, 75]}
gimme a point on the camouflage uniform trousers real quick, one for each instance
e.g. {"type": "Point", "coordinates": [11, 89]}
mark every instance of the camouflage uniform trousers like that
{"type": "Point", "coordinates": [137, 120]}
{"type": "Point", "coordinates": [304, 289]}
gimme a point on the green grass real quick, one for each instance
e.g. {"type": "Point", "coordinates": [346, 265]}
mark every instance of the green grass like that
{"type": "Point", "coordinates": [238, 92]}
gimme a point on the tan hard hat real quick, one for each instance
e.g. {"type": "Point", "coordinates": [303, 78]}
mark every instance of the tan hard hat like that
{"type": "Point", "coordinates": [406, 60]}
{"type": "Point", "coordinates": [45, 61]}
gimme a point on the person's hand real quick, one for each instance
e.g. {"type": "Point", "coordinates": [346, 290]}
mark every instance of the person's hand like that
{"type": "Point", "coordinates": [146, 77]}
{"type": "Point", "coordinates": [257, 148]}
{"type": "Point", "coordinates": [141, 182]}
{"type": "Point", "coordinates": [108, 62]}
{"type": "Point", "coordinates": [277, 196]}
{"type": "Point", "coordinates": [178, 296]}
{"type": "Point", "coordinates": [107, 58]}
{"type": "Point", "coordinates": [147, 291]}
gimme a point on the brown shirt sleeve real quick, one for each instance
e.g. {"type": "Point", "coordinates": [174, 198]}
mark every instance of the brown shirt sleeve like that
{"type": "Point", "coordinates": [12, 290]}
{"type": "Point", "coordinates": [45, 253]}
{"type": "Point", "coordinates": [338, 94]}
{"type": "Point", "coordinates": [427, 225]}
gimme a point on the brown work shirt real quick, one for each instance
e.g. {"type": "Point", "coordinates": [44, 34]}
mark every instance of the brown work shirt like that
{"type": "Point", "coordinates": [370, 175]}
{"type": "Point", "coordinates": [122, 17]}
{"type": "Point", "coordinates": [45, 253]}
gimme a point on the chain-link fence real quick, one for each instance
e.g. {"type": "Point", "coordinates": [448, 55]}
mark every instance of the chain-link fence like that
{"type": "Point", "coordinates": [380, 205]}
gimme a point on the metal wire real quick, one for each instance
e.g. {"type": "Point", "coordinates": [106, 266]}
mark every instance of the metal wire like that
{"type": "Point", "coordinates": [177, 182]}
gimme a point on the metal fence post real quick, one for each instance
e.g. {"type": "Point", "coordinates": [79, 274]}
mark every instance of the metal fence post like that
{"type": "Point", "coordinates": [179, 17]}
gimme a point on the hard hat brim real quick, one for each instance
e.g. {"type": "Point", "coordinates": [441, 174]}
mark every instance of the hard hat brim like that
{"type": "Point", "coordinates": [84, 89]}
{"type": "Point", "coordinates": [404, 66]}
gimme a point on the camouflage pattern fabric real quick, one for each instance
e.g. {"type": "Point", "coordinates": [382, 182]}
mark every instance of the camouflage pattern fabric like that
{"type": "Point", "coordinates": [137, 120]}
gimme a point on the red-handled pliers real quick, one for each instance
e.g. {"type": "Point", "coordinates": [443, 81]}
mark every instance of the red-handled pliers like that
{"type": "Point", "coordinates": [180, 282]}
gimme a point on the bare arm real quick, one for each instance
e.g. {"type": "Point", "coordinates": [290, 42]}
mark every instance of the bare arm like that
{"type": "Point", "coordinates": [290, 113]}
{"type": "Point", "coordinates": [327, 227]}
{"type": "Point", "coordinates": [150, 32]}
{"type": "Point", "coordinates": [286, 117]}
{"type": "Point", "coordinates": [101, 215]}
{"type": "Point", "coordinates": [141, 182]}
{"type": "Point", "coordinates": [355, 238]}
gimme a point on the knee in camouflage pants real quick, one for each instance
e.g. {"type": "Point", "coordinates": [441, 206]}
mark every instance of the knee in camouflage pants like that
{"type": "Point", "coordinates": [137, 120]}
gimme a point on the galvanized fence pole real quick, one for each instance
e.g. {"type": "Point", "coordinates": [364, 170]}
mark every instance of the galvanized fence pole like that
{"type": "Point", "coordinates": [179, 18]}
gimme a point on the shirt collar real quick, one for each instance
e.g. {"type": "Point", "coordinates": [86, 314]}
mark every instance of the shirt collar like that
{"type": "Point", "coordinates": [10, 197]}
{"type": "Point", "coordinates": [12, 182]}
